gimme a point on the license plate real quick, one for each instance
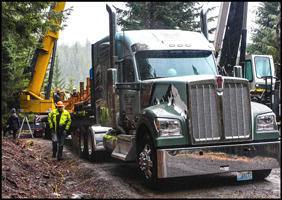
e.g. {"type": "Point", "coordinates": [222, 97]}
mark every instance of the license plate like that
{"type": "Point", "coordinates": [242, 176]}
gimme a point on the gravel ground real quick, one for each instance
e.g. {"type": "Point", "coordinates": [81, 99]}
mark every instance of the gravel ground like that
{"type": "Point", "coordinates": [29, 171]}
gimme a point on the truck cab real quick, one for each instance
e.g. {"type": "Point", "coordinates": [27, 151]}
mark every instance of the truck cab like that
{"type": "Point", "coordinates": [157, 98]}
{"type": "Point", "coordinates": [164, 105]}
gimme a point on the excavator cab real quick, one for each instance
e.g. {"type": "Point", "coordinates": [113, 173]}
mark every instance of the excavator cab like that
{"type": "Point", "coordinates": [257, 68]}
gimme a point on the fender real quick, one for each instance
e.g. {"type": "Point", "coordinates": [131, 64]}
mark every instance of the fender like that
{"type": "Point", "coordinates": [259, 109]}
{"type": "Point", "coordinates": [147, 119]}
{"type": "Point", "coordinates": [98, 133]}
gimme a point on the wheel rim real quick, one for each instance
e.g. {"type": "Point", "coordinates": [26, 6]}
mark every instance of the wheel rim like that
{"type": "Point", "coordinates": [89, 144]}
{"type": "Point", "coordinates": [81, 143]}
{"type": "Point", "coordinates": [145, 161]}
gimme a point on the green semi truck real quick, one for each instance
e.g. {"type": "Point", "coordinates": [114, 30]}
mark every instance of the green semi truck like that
{"type": "Point", "coordinates": [157, 98]}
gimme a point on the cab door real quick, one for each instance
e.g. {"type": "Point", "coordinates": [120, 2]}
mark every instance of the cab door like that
{"type": "Point", "coordinates": [128, 90]}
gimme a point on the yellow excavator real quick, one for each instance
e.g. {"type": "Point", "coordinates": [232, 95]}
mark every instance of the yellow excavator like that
{"type": "Point", "coordinates": [31, 100]}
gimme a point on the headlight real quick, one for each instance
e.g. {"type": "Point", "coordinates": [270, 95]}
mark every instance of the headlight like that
{"type": "Point", "coordinates": [168, 127]}
{"type": "Point", "coordinates": [266, 122]}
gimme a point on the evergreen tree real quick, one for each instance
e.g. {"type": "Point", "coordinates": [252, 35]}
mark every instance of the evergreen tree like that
{"type": "Point", "coordinates": [159, 15]}
{"type": "Point", "coordinates": [76, 62]}
{"type": "Point", "coordinates": [264, 37]}
{"type": "Point", "coordinates": [57, 81]}
{"type": "Point", "coordinates": [70, 84]}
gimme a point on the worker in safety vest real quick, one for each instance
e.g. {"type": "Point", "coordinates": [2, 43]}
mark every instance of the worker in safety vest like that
{"type": "Point", "coordinates": [57, 96]}
{"type": "Point", "coordinates": [59, 121]}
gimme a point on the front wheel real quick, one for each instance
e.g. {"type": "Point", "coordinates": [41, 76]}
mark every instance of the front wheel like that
{"type": "Point", "coordinates": [147, 159]}
{"type": "Point", "coordinates": [261, 174]}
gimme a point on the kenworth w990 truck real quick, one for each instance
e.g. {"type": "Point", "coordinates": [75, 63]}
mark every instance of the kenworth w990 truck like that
{"type": "Point", "coordinates": [157, 98]}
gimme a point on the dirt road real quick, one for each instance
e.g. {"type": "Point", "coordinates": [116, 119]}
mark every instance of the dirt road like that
{"type": "Point", "coordinates": [111, 178]}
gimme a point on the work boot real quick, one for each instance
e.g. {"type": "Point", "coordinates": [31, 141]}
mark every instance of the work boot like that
{"type": "Point", "coordinates": [54, 155]}
{"type": "Point", "coordinates": [60, 159]}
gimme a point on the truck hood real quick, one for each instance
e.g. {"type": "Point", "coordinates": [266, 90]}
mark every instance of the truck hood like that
{"type": "Point", "coordinates": [213, 114]}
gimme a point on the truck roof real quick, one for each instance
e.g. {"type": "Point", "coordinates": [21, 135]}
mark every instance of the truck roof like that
{"type": "Point", "coordinates": [156, 39]}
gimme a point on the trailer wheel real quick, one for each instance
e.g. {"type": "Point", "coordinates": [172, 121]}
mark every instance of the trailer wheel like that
{"type": "Point", "coordinates": [47, 133]}
{"type": "Point", "coordinates": [147, 159]}
{"type": "Point", "coordinates": [82, 143]}
{"type": "Point", "coordinates": [35, 134]}
{"type": "Point", "coordinates": [91, 152]}
{"type": "Point", "coordinates": [261, 174]}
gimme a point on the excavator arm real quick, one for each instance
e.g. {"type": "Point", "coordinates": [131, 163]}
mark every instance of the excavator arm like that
{"type": "Point", "coordinates": [231, 30]}
{"type": "Point", "coordinates": [43, 57]}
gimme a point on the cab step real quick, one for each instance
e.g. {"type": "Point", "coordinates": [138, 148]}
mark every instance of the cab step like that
{"type": "Point", "coordinates": [125, 148]}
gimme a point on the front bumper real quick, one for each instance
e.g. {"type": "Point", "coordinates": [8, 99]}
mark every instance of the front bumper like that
{"type": "Point", "coordinates": [218, 159]}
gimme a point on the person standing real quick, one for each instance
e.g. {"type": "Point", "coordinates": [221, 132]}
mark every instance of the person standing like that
{"type": "Point", "coordinates": [13, 123]}
{"type": "Point", "coordinates": [74, 94]}
{"type": "Point", "coordinates": [57, 96]}
{"type": "Point", "coordinates": [59, 121]}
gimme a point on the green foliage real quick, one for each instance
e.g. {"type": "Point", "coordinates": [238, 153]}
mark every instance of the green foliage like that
{"type": "Point", "coordinates": [30, 117]}
{"type": "Point", "coordinates": [70, 84]}
{"type": "Point", "coordinates": [159, 15]}
{"type": "Point", "coordinates": [75, 62]}
{"type": "Point", "coordinates": [264, 37]}
{"type": "Point", "coordinates": [163, 15]}
{"type": "Point", "coordinates": [23, 23]}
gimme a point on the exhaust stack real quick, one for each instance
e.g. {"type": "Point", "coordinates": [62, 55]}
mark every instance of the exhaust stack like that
{"type": "Point", "coordinates": [112, 28]}
{"type": "Point", "coordinates": [111, 72]}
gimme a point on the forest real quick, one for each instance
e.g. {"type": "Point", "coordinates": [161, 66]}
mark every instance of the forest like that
{"type": "Point", "coordinates": [24, 23]}
{"type": "Point", "coordinates": [72, 65]}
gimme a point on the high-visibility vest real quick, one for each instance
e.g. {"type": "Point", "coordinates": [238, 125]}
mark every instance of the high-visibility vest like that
{"type": "Point", "coordinates": [65, 119]}
{"type": "Point", "coordinates": [104, 114]}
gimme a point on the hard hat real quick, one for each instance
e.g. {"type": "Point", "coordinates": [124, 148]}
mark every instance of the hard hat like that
{"type": "Point", "coordinates": [60, 104]}
{"type": "Point", "coordinates": [172, 72]}
{"type": "Point", "coordinates": [74, 88]}
{"type": "Point", "coordinates": [58, 90]}
{"type": "Point", "coordinates": [13, 110]}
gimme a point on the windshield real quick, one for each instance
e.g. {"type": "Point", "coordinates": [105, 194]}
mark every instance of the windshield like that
{"type": "Point", "coordinates": [160, 64]}
{"type": "Point", "coordinates": [262, 66]}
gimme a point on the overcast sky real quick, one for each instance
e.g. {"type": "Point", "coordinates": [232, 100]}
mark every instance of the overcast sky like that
{"type": "Point", "coordinates": [90, 20]}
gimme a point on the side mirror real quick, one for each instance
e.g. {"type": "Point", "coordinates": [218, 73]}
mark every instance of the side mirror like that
{"type": "Point", "coordinates": [237, 69]}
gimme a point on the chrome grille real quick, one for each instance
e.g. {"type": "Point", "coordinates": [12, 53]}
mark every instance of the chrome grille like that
{"type": "Point", "coordinates": [220, 116]}
{"type": "Point", "coordinates": [236, 111]}
{"type": "Point", "coordinates": [204, 116]}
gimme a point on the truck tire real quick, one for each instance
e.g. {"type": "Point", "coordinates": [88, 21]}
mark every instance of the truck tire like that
{"type": "Point", "coordinates": [260, 174]}
{"type": "Point", "coordinates": [47, 133]}
{"type": "Point", "coordinates": [147, 160]}
{"type": "Point", "coordinates": [37, 134]}
{"type": "Point", "coordinates": [91, 153]}
{"type": "Point", "coordinates": [82, 143]}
